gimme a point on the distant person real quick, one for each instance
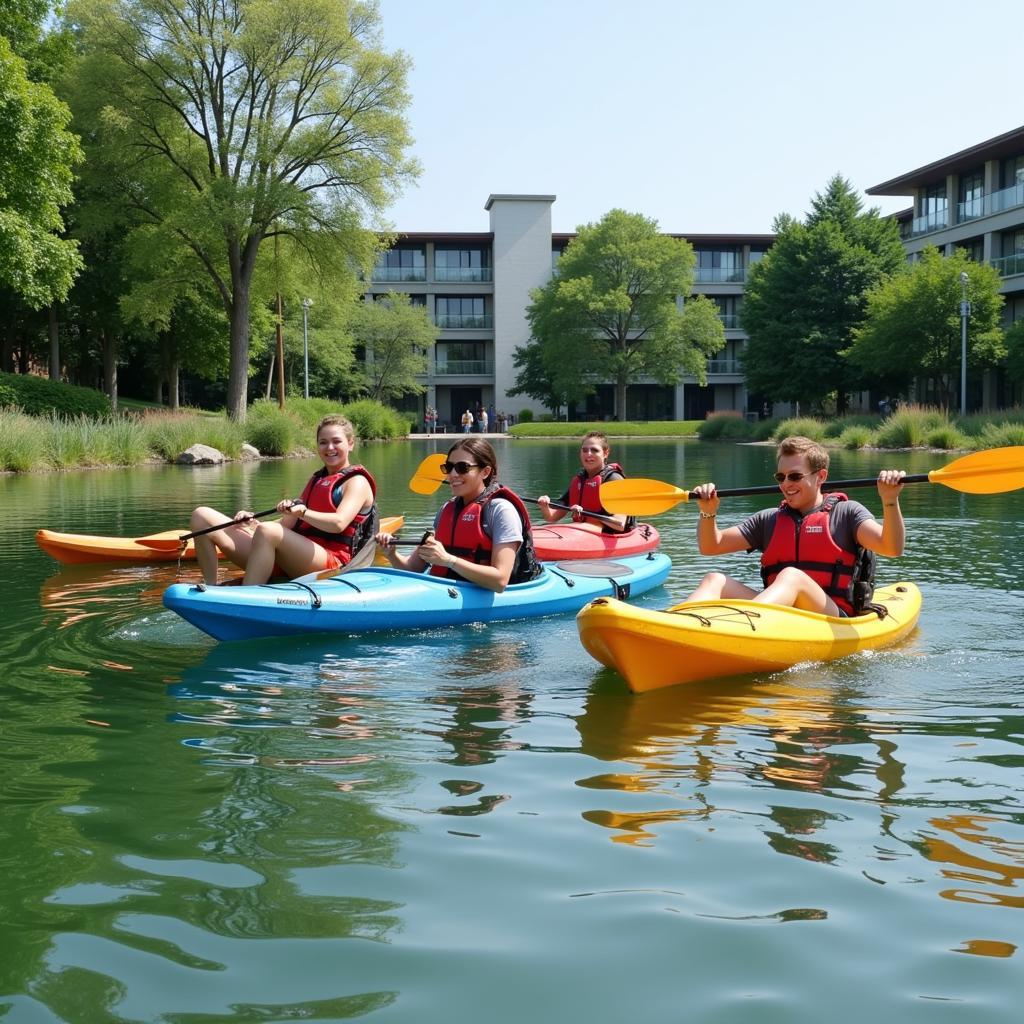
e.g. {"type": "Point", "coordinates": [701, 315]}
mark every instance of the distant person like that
{"type": "Point", "coordinates": [323, 529]}
{"type": "Point", "coordinates": [467, 422]}
{"type": "Point", "coordinates": [430, 418]}
{"type": "Point", "coordinates": [814, 547]}
{"type": "Point", "coordinates": [584, 492]}
{"type": "Point", "coordinates": [483, 420]}
{"type": "Point", "coordinates": [481, 534]}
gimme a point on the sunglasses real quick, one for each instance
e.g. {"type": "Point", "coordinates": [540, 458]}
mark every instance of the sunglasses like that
{"type": "Point", "coordinates": [592, 451]}
{"type": "Point", "coordinates": [791, 477]}
{"type": "Point", "coordinates": [462, 468]}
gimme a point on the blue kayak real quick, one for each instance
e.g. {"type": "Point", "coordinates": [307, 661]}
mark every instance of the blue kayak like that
{"type": "Point", "coordinates": [372, 599]}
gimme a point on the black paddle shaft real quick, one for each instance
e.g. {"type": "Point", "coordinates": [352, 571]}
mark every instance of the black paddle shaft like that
{"type": "Point", "coordinates": [231, 522]}
{"type": "Point", "coordinates": [828, 485]}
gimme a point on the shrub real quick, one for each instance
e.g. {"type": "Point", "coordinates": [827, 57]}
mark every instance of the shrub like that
{"type": "Point", "coordinates": [22, 445]}
{"type": "Point", "coordinates": [1002, 435]}
{"type": "Point", "coordinates": [271, 431]}
{"type": "Point", "coordinates": [800, 426]}
{"type": "Point", "coordinates": [837, 427]}
{"type": "Point", "coordinates": [374, 421]}
{"type": "Point", "coordinates": [909, 426]}
{"type": "Point", "coordinates": [856, 436]}
{"type": "Point", "coordinates": [727, 424]}
{"type": "Point", "coordinates": [170, 433]}
{"type": "Point", "coordinates": [764, 430]}
{"type": "Point", "coordinates": [39, 396]}
{"type": "Point", "coordinates": [525, 416]}
{"type": "Point", "coordinates": [947, 436]}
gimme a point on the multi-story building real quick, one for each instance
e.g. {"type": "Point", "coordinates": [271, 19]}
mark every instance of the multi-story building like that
{"type": "Point", "coordinates": [972, 200]}
{"type": "Point", "coordinates": [477, 288]}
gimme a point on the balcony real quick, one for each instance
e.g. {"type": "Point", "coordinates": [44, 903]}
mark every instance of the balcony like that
{"type": "Point", "coordinates": [720, 275]}
{"type": "Point", "coordinates": [1005, 198]}
{"type": "Point", "coordinates": [399, 274]}
{"type": "Point", "coordinates": [462, 274]}
{"type": "Point", "coordinates": [731, 321]}
{"type": "Point", "coordinates": [724, 366]}
{"type": "Point", "coordinates": [464, 368]}
{"type": "Point", "coordinates": [928, 222]}
{"type": "Point", "coordinates": [461, 321]}
{"type": "Point", "coordinates": [1009, 265]}
{"type": "Point", "coordinates": [970, 210]}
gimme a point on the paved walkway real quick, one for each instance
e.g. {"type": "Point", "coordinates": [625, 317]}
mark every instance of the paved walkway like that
{"type": "Point", "coordinates": [451, 435]}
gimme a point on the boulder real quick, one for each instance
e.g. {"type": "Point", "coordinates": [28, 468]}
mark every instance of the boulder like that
{"type": "Point", "coordinates": [249, 453]}
{"type": "Point", "coordinates": [200, 455]}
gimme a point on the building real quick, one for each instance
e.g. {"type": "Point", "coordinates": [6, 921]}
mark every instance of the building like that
{"type": "Point", "coordinates": [971, 200]}
{"type": "Point", "coordinates": [477, 288]}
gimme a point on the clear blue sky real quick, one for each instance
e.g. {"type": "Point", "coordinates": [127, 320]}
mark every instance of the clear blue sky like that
{"type": "Point", "coordinates": [706, 116]}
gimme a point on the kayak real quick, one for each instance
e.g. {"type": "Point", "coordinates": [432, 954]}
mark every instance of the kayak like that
{"type": "Point", "coordinates": [85, 549]}
{"type": "Point", "coordinates": [369, 600]}
{"type": "Point", "coordinates": [699, 640]}
{"type": "Point", "coordinates": [555, 542]}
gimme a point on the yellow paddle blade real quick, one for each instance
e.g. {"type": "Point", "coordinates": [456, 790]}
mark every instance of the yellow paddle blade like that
{"type": "Point", "coordinates": [994, 471]}
{"type": "Point", "coordinates": [640, 497]}
{"type": "Point", "coordinates": [428, 476]}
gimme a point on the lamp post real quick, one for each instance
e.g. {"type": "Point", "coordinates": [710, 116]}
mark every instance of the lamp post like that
{"type": "Point", "coordinates": [306, 303]}
{"type": "Point", "coordinates": [965, 312]}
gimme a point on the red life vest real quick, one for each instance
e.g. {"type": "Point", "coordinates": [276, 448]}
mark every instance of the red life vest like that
{"type": "Point", "coordinates": [807, 543]}
{"type": "Point", "coordinates": [586, 491]}
{"type": "Point", "coordinates": [324, 493]}
{"type": "Point", "coordinates": [460, 528]}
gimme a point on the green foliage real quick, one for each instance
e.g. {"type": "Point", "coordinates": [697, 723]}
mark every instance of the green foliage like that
{"type": "Point", "coordinates": [374, 421]}
{"type": "Point", "coordinates": [616, 428]}
{"type": "Point", "coordinates": [807, 295]}
{"type": "Point", "coordinates": [855, 436]}
{"type": "Point", "coordinates": [728, 425]}
{"type": "Point", "coordinates": [1002, 435]}
{"type": "Point", "coordinates": [837, 427]}
{"type": "Point", "coordinates": [22, 444]}
{"type": "Point", "coordinates": [1014, 341]}
{"type": "Point", "coordinates": [272, 431]}
{"type": "Point", "coordinates": [38, 396]}
{"type": "Point", "coordinates": [87, 441]}
{"type": "Point", "coordinates": [537, 381]}
{"type": "Point", "coordinates": [910, 427]}
{"type": "Point", "coordinates": [610, 311]}
{"type": "Point", "coordinates": [396, 336]}
{"type": "Point", "coordinates": [525, 416]}
{"type": "Point", "coordinates": [913, 328]}
{"type": "Point", "coordinates": [37, 154]}
{"type": "Point", "coordinates": [170, 433]}
{"type": "Point", "coordinates": [947, 437]}
{"type": "Point", "coordinates": [800, 426]}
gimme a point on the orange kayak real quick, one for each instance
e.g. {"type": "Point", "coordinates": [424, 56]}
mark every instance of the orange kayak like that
{"type": "Point", "coordinates": [85, 549]}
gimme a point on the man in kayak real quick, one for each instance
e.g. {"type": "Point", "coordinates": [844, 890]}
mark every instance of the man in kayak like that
{"type": "Point", "coordinates": [323, 529]}
{"type": "Point", "coordinates": [815, 548]}
{"type": "Point", "coordinates": [482, 534]}
{"type": "Point", "coordinates": [584, 491]}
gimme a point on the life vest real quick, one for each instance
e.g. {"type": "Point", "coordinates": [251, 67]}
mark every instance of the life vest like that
{"type": "Point", "coordinates": [324, 493]}
{"type": "Point", "coordinates": [807, 543]}
{"type": "Point", "coordinates": [460, 528]}
{"type": "Point", "coordinates": [586, 491]}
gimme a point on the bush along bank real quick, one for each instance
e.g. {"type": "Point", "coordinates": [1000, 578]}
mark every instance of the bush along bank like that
{"type": "Point", "coordinates": [57, 441]}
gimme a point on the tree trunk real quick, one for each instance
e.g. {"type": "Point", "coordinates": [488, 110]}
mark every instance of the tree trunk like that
{"type": "Point", "coordinates": [173, 390]}
{"type": "Point", "coordinates": [108, 344]}
{"type": "Point", "coordinates": [54, 343]}
{"type": "Point", "coordinates": [6, 351]}
{"type": "Point", "coordinates": [238, 374]}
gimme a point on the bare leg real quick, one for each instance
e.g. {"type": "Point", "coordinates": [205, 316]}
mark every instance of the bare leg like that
{"type": "Point", "coordinates": [717, 585]}
{"type": "Point", "coordinates": [796, 589]}
{"type": "Point", "coordinates": [235, 541]}
{"type": "Point", "coordinates": [295, 554]}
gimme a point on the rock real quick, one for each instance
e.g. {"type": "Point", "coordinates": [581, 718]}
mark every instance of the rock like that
{"type": "Point", "coordinates": [249, 454]}
{"type": "Point", "coordinates": [200, 455]}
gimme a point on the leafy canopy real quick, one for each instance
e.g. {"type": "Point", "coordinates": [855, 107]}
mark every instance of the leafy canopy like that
{"type": "Point", "coordinates": [396, 336]}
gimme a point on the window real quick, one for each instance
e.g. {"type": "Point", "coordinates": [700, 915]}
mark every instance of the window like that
{"type": "Point", "coordinates": [461, 311]}
{"type": "Point", "coordinates": [462, 264]}
{"type": "Point", "coordinates": [718, 265]}
{"type": "Point", "coordinates": [971, 195]}
{"type": "Point", "coordinates": [402, 264]}
{"type": "Point", "coordinates": [728, 310]}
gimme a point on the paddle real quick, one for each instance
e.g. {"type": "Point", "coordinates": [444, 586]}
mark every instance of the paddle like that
{"type": "Point", "coordinates": [428, 478]}
{"type": "Point", "coordinates": [994, 471]}
{"type": "Point", "coordinates": [171, 541]}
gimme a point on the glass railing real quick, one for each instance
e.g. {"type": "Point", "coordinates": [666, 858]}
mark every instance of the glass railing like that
{"type": "Point", "coordinates": [464, 367]}
{"type": "Point", "coordinates": [462, 320]}
{"type": "Point", "coordinates": [1007, 265]}
{"type": "Point", "coordinates": [720, 275]}
{"type": "Point", "coordinates": [399, 274]}
{"type": "Point", "coordinates": [1006, 198]}
{"type": "Point", "coordinates": [723, 366]}
{"type": "Point", "coordinates": [972, 209]}
{"type": "Point", "coordinates": [929, 222]}
{"type": "Point", "coordinates": [730, 321]}
{"type": "Point", "coordinates": [462, 273]}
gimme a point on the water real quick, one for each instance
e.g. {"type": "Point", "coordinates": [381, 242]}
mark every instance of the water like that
{"type": "Point", "coordinates": [484, 825]}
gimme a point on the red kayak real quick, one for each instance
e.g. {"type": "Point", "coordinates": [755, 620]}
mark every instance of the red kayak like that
{"type": "Point", "coordinates": [557, 542]}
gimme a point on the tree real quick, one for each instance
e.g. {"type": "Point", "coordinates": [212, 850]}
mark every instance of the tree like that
{"type": "Point", "coordinates": [807, 295]}
{"type": "Point", "coordinates": [611, 310]}
{"type": "Point", "coordinates": [537, 381]}
{"type": "Point", "coordinates": [227, 122]}
{"type": "Point", "coordinates": [37, 154]}
{"type": "Point", "coordinates": [913, 327]}
{"type": "Point", "coordinates": [396, 336]}
{"type": "Point", "coordinates": [1015, 352]}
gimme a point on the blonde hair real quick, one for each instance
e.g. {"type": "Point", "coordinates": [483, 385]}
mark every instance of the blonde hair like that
{"type": "Point", "coordinates": [817, 456]}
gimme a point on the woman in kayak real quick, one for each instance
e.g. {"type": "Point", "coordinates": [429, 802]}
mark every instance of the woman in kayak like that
{"type": "Point", "coordinates": [584, 491]}
{"type": "Point", "coordinates": [323, 529]}
{"type": "Point", "coordinates": [815, 548]}
{"type": "Point", "coordinates": [482, 534]}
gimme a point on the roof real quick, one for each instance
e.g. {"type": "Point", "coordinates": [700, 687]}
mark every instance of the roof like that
{"type": "Point", "coordinates": [1009, 144]}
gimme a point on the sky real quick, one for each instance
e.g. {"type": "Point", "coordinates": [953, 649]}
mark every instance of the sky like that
{"type": "Point", "coordinates": [709, 117]}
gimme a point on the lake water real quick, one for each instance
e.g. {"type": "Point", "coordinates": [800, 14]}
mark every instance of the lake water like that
{"type": "Point", "coordinates": [481, 824]}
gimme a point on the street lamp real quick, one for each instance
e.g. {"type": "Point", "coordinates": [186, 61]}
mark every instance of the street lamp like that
{"type": "Point", "coordinates": [306, 303]}
{"type": "Point", "coordinates": [965, 312]}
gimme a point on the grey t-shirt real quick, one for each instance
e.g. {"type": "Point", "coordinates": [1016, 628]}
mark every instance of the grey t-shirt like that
{"type": "Point", "coordinates": [501, 522]}
{"type": "Point", "coordinates": [844, 521]}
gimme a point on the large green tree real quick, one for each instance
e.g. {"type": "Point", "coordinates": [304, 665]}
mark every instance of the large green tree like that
{"type": "Point", "coordinates": [225, 123]}
{"type": "Point", "coordinates": [913, 326]}
{"type": "Point", "coordinates": [37, 154]}
{"type": "Point", "coordinates": [1015, 352]}
{"type": "Point", "coordinates": [396, 336]}
{"type": "Point", "coordinates": [808, 294]}
{"type": "Point", "coordinates": [611, 311]}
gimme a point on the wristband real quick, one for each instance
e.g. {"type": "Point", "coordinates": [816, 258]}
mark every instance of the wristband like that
{"type": "Point", "coordinates": [708, 515]}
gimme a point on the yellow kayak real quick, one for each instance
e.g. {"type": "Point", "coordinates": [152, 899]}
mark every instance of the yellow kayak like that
{"type": "Point", "coordinates": [699, 640]}
{"type": "Point", "coordinates": [86, 549]}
